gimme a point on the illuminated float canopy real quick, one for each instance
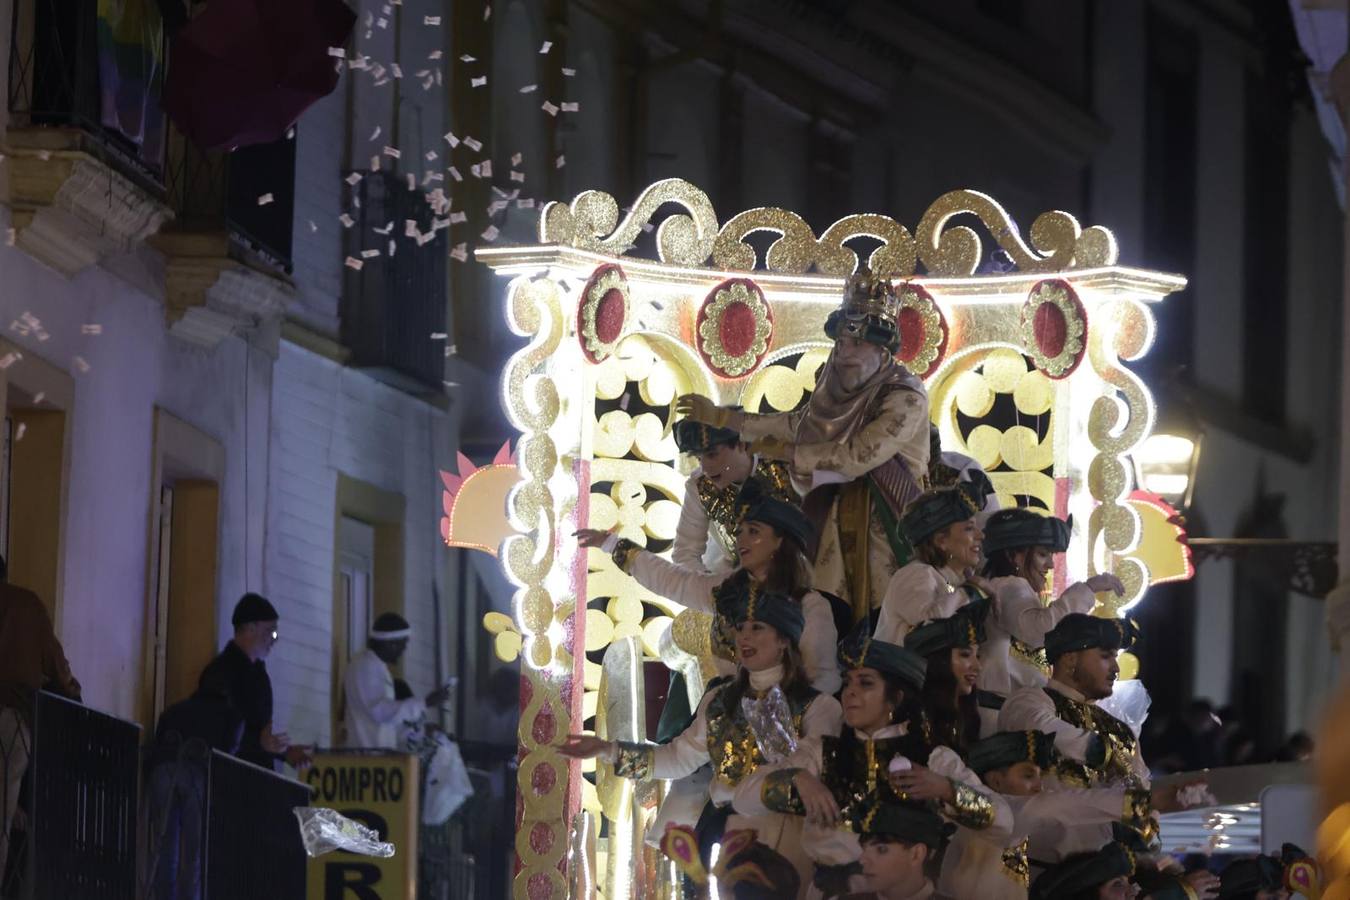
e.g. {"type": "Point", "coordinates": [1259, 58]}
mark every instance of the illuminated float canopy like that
{"type": "Point", "coordinates": [1026, 372]}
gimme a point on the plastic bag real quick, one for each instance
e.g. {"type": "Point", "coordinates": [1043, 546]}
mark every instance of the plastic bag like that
{"type": "Point", "coordinates": [447, 783]}
{"type": "Point", "coordinates": [770, 720]}
{"type": "Point", "coordinates": [323, 830]}
{"type": "Point", "coordinates": [1129, 703]}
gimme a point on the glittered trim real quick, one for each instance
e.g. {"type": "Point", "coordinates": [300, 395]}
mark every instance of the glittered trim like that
{"type": "Point", "coordinates": [633, 761]}
{"type": "Point", "coordinates": [1030, 656]}
{"type": "Point", "coordinates": [779, 793]}
{"type": "Point", "coordinates": [1062, 297]}
{"type": "Point", "coordinates": [1138, 814]}
{"type": "Point", "coordinates": [604, 279]}
{"type": "Point", "coordinates": [932, 339]}
{"type": "Point", "coordinates": [625, 552]}
{"type": "Point", "coordinates": [1016, 865]}
{"type": "Point", "coordinates": [713, 322]}
{"type": "Point", "coordinates": [970, 808]}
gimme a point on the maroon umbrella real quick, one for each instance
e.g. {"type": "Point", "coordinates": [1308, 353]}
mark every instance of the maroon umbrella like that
{"type": "Point", "coordinates": [243, 71]}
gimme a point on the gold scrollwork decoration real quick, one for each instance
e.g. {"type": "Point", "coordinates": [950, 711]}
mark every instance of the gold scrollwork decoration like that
{"type": "Point", "coordinates": [1057, 241]}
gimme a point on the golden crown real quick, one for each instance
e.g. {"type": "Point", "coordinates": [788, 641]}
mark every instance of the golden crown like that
{"type": "Point", "coordinates": [866, 294]}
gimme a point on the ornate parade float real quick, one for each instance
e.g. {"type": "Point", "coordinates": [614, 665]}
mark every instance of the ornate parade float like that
{"type": "Point", "coordinates": [1026, 362]}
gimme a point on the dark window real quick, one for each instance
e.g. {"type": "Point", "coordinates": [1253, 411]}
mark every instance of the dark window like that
{"type": "Point", "coordinates": [253, 174]}
{"type": "Point", "coordinates": [829, 191]}
{"type": "Point", "coordinates": [1265, 300]}
{"type": "Point", "coordinates": [1170, 171]}
{"type": "Point", "coordinates": [1009, 12]}
{"type": "Point", "coordinates": [394, 303]}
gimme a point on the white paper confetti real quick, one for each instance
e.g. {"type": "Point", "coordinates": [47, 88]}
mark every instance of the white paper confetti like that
{"type": "Point", "coordinates": [313, 229]}
{"type": "Point", "coordinates": [370, 254]}
{"type": "Point", "coordinates": [410, 228]}
{"type": "Point", "coordinates": [549, 108]}
{"type": "Point", "coordinates": [569, 72]}
{"type": "Point", "coordinates": [12, 357]}
{"type": "Point", "coordinates": [412, 181]}
{"type": "Point", "coordinates": [439, 335]}
{"type": "Point", "coordinates": [623, 401]}
{"type": "Point", "coordinates": [353, 263]}
{"type": "Point", "coordinates": [457, 217]}
{"type": "Point", "coordinates": [374, 164]}
{"type": "Point", "coordinates": [39, 397]}
{"type": "Point", "coordinates": [264, 199]}
{"type": "Point", "coordinates": [381, 22]}
{"type": "Point", "coordinates": [454, 173]}
{"type": "Point", "coordinates": [81, 365]}
{"type": "Point", "coordinates": [571, 107]}
{"type": "Point", "coordinates": [44, 155]}
{"type": "Point", "coordinates": [346, 220]}
{"type": "Point", "coordinates": [392, 152]}
{"type": "Point", "coordinates": [434, 54]}
{"type": "Point", "coordinates": [487, 168]}
{"type": "Point", "coordinates": [467, 58]}
{"type": "Point", "coordinates": [429, 155]}
{"type": "Point", "coordinates": [487, 12]}
{"type": "Point", "coordinates": [451, 139]}
{"type": "Point", "coordinates": [431, 20]}
{"type": "Point", "coordinates": [479, 81]}
{"type": "Point", "coordinates": [338, 52]}
{"type": "Point", "coordinates": [517, 176]}
{"type": "Point", "coordinates": [91, 329]}
{"type": "Point", "coordinates": [560, 161]}
{"type": "Point", "coordinates": [548, 45]}
{"type": "Point", "coordinates": [353, 178]}
{"type": "Point", "coordinates": [490, 233]}
{"type": "Point", "coordinates": [459, 253]}
{"type": "Point", "coordinates": [392, 247]}
{"type": "Point", "coordinates": [473, 144]}
{"type": "Point", "coordinates": [388, 227]}
{"type": "Point", "coordinates": [525, 203]}
{"type": "Point", "coordinates": [18, 433]}
{"type": "Point", "coordinates": [529, 89]}
{"type": "Point", "coordinates": [398, 72]}
{"type": "Point", "coordinates": [516, 158]}
{"type": "Point", "coordinates": [374, 134]}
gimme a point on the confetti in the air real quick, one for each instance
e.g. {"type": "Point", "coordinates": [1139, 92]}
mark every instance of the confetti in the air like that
{"type": "Point", "coordinates": [374, 164]}
{"type": "Point", "coordinates": [473, 144]}
{"type": "Point", "coordinates": [434, 54]}
{"type": "Point", "coordinates": [19, 432]}
{"type": "Point", "coordinates": [525, 203]}
{"type": "Point", "coordinates": [529, 89]}
{"type": "Point", "coordinates": [560, 161]}
{"type": "Point", "coordinates": [548, 45]}
{"type": "Point", "coordinates": [451, 139]}
{"type": "Point", "coordinates": [353, 178]}
{"type": "Point", "coordinates": [392, 152]}
{"type": "Point", "coordinates": [439, 335]}
{"type": "Point", "coordinates": [487, 12]}
{"type": "Point", "coordinates": [571, 107]}
{"type": "Point", "coordinates": [517, 176]}
{"type": "Point", "coordinates": [516, 158]}
{"type": "Point", "coordinates": [467, 58]}
{"type": "Point", "coordinates": [569, 72]}
{"type": "Point", "coordinates": [12, 357]}
{"type": "Point", "coordinates": [460, 253]}
{"type": "Point", "coordinates": [490, 233]}
{"type": "Point", "coordinates": [337, 52]}
{"type": "Point", "coordinates": [623, 401]}
{"type": "Point", "coordinates": [92, 328]}
{"type": "Point", "coordinates": [457, 217]}
{"type": "Point", "coordinates": [479, 81]}
{"type": "Point", "coordinates": [81, 365]}
{"type": "Point", "coordinates": [370, 254]}
{"type": "Point", "coordinates": [431, 20]}
{"type": "Point", "coordinates": [264, 199]}
{"type": "Point", "coordinates": [313, 229]}
{"type": "Point", "coordinates": [429, 155]}
{"type": "Point", "coordinates": [396, 69]}
{"type": "Point", "coordinates": [346, 220]}
{"type": "Point", "coordinates": [549, 108]}
{"type": "Point", "coordinates": [374, 134]}
{"type": "Point", "coordinates": [353, 263]}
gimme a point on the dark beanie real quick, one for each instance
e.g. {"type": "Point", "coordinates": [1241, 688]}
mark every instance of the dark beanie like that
{"type": "Point", "coordinates": [253, 608]}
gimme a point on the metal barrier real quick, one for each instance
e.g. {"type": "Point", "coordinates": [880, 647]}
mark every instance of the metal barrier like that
{"type": "Point", "coordinates": [253, 849]}
{"type": "Point", "coordinates": [82, 814]}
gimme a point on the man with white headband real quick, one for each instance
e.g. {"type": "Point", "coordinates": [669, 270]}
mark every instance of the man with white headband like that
{"type": "Point", "coordinates": [373, 715]}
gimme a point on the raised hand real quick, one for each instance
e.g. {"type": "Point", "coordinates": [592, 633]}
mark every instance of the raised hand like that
{"type": "Point", "coordinates": [591, 537]}
{"type": "Point", "coordinates": [274, 743]}
{"type": "Point", "coordinates": [821, 807]}
{"type": "Point", "coordinates": [922, 783]}
{"type": "Point", "coordinates": [585, 746]}
{"type": "Point", "coordinates": [1104, 582]}
{"type": "Point", "coordinates": [701, 409]}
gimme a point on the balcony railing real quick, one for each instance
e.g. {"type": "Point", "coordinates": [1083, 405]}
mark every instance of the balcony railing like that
{"type": "Point", "coordinates": [57, 69]}
{"type": "Point", "coordinates": [54, 58]}
{"type": "Point", "coordinates": [394, 303]}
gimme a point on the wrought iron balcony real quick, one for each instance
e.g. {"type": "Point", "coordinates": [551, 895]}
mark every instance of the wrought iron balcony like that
{"type": "Point", "coordinates": [396, 300]}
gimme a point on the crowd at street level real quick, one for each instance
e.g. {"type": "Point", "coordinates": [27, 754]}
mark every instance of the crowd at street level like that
{"type": "Point", "coordinates": [901, 710]}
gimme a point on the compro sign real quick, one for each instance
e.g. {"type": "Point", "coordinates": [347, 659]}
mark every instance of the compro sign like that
{"type": "Point", "coordinates": [378, 790]}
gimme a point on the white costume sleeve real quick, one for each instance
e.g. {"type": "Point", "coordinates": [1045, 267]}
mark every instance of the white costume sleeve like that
{"type": "Point", "coordinates": [687, 752]}
{"type": "Point", "coordinates": [1021, 614]}
{"type": "Point", "coordinates": [946, 762]}
{"type": "Point", "coordinates": [915, 593]}
{"type": "Point", "coordinates": [1060, 823]}
{"type": "Point", "coordinates": [1031, 709]}
{"type": "Point", "coordinates": [366, 692]}
{"type": "Point", "coordinates": [688, 587]}
{"type": "Point", "coordinates": [900, 427]}
{"type": "Point", "coordinates": [749, 799]}
{"type": "Point", "coordinates": [819, 644]}
{"type": "Point", "coordinates": [691, 534]}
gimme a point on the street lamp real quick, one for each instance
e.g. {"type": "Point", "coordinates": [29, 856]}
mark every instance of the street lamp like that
{"type": "Point", "coordinates": [1165, 464]}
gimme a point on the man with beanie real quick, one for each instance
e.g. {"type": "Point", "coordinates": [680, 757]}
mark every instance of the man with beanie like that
{"type": "Point", "coordinates": [374, 714]}
{"type": "Point", "coordinates": [241, 671]}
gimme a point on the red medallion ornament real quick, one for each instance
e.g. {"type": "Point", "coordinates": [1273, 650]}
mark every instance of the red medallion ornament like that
{"type": "Point", "coordinates": [734, 327]}
{"type": "Point", "coordinates": [923, 331]}
{"type": "Point", "coordinates": [1054, 327]}
{"type": "Point", "coordinates": [603, 312]}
